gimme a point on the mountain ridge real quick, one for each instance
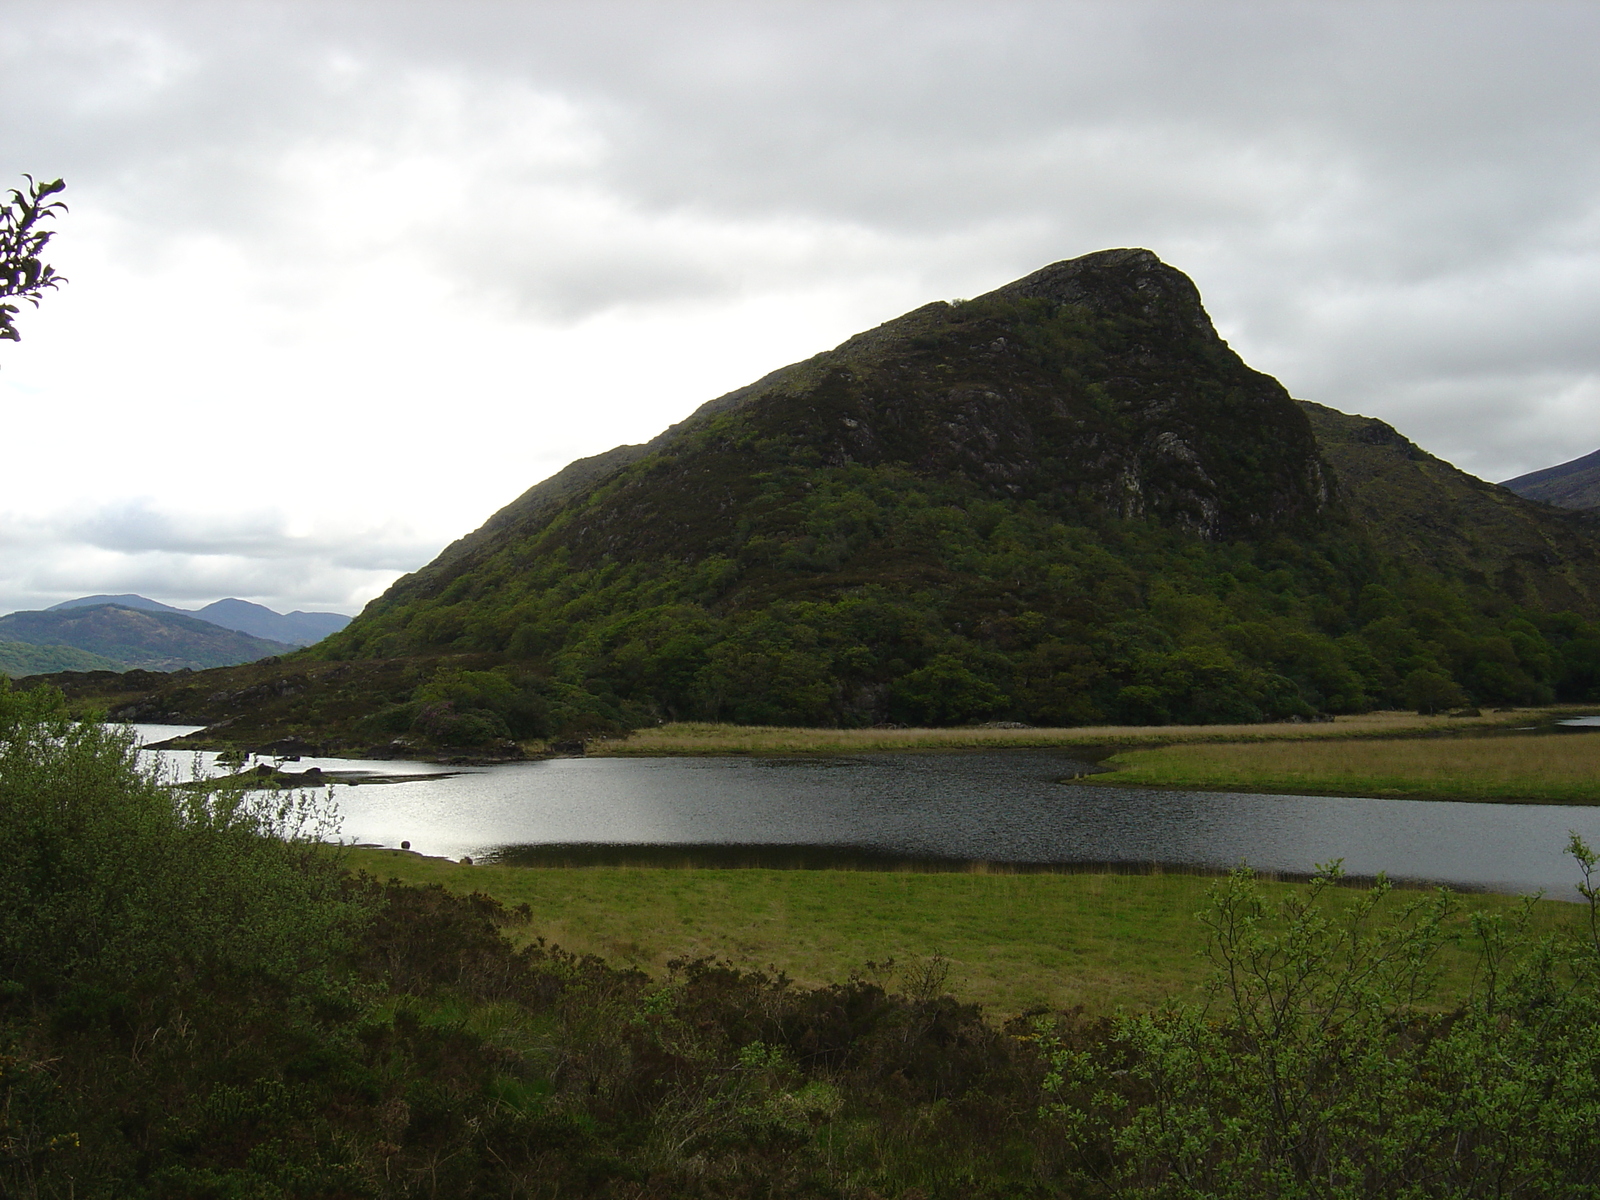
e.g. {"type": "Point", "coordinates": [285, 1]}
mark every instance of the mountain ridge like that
{"type": "Point", "coordinates": [1573, 484]}
{"type": "Point", "coordinates": [141, 638]}
{"type": "Point", "coordinates": [242, 616]}
{"type": "Point", "coordinates": [1099, 283]}
{"type": "Point", "coordinates": [1420, 508]}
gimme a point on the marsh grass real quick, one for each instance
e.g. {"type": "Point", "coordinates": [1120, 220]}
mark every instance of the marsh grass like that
{"type": "Point", "coordinates": [691, 737]}
{"type": "Point", "coordinates": [1013, 942]}
{"type": "Point", "coordinates": [1548, 769]}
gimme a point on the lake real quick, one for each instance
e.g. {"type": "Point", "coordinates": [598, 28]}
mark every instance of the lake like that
{"type": "Point", "coordinates": [933, 808]}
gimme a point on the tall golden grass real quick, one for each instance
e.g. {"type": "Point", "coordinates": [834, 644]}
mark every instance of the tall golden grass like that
{"type": "Point", "coordinates": [1547, 768]}
{"type": "Point", "coordinates": [688, 737]}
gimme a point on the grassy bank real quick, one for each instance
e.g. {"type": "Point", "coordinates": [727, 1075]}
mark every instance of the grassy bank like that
{"type": "Point", "coordinates": [1528, 768]}
{"type": "Point", "coordinates": [1012, 942]}
{"type": "Point", "coordinates": [691, 737]}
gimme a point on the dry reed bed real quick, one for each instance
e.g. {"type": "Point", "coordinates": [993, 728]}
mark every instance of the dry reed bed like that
{"type": "Point", "coordinates": [705, 738]}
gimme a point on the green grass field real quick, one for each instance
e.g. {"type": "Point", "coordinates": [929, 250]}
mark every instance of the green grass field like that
{"type": "Point", "coordinates": [1012, 941]}
{"type": "Point", "coordinates": [1545, 769]}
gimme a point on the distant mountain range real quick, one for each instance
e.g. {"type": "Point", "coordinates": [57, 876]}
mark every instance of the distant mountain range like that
{"type": "Point", "coordinates": [115, 633]}
{"type": "Point", "coordinates": [293, 629]}
{"type": "Point", "coordinates": [1574, 484]}
{"type": "Point", "coordinates": [136, 637]}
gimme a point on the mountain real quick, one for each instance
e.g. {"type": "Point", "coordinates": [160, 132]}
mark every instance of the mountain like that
{"type": "Point", "coordinates": [18, 659]}
{"type": "Point", "coordinates": [296, 628]}
{"type": "Point", "coordinates": [1065, 502]}
{"type": "Point", "coordinates": [293, 629]}
{"type": "Point", "coordinates": [126, 600]}
{"type": "Point", "coordinates": [138, 637]}
{"type": "Point", "coordinates": [1099, 381]}
{"type": "Point", "coordinates": [1574, 484]}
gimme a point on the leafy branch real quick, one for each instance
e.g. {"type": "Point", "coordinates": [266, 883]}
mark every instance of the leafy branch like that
{"type": "Point", "coordinates": [24, 274]}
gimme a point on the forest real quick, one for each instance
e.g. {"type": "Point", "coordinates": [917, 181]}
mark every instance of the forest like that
{"type": "Point", "coordinates": [1033, 621]}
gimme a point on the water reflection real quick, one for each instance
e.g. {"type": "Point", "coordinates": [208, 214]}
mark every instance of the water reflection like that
{"type": "Point", "coordinates": [1001, 807]}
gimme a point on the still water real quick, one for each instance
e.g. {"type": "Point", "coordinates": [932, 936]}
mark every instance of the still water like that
{"type": "Point", "coordinates": [1000, 807]}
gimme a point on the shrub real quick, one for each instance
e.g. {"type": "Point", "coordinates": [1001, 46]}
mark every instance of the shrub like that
{"type": "Point", "coordinates": [108, 873]}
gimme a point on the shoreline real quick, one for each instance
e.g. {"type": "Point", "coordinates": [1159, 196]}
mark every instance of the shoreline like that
{"type": "Point", "coordinates": [1428, 795]}
{"type": "Point", "coordinates": [1397, 755]}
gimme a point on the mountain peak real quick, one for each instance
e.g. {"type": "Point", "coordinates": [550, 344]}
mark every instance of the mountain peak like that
{"type": "Point", "coordinates": [125, 600]}
{"type": "Point", "coordinates": [1094, 388]}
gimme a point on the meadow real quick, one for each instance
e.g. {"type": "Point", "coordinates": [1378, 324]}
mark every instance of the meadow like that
{"type": "Point", "coordinates": [1535, 768]}
{"type": "Point", "coordinates": [1010, 942]}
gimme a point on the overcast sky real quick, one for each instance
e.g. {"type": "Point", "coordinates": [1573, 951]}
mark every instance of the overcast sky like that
{"type": "Point", "coordinates": [346, 278]}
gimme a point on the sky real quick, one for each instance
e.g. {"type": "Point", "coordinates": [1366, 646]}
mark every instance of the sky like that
{"type": "Point", "coordinates": [345, 278]}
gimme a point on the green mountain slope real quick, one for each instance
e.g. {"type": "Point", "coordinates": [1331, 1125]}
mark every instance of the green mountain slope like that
{"type": "Point", "coordinates": [1065, 502]}
{"type": "Point", "coordinates": [158, 641]}
{"type": "Point", "coordinates": [1419, 509]}
{"type": "Point", "coordinates": [22, 658]}
{"type": "Point", "coordinates": [1574, 484]}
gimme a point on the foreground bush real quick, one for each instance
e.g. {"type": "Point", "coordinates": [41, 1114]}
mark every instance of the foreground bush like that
{"type": "Point", "coordinates": [1320, 1068]}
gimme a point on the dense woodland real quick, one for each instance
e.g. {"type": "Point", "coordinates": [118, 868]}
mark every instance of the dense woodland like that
{"type": "Point", "coordinates": [196, 1001]}
{"type": "Point", "coordinates": [1036, 621]}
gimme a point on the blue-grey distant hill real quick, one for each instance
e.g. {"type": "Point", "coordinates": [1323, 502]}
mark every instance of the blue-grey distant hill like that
{"type": "Point", "coordinates": [292, 629]}
{"type": "Point", "coordinates": [1574, 484]}
{"type": "Point", "coordinates": [139, 637]}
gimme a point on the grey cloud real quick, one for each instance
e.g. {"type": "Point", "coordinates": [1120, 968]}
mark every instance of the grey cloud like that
{"type": "Point", "coordinates": [188, 560]}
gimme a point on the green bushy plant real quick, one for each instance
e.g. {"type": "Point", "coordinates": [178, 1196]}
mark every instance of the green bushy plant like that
{"type": "Point", "coordinates": [108, 874]}
{"type": "Point", "coordinates": [1322, 1066]}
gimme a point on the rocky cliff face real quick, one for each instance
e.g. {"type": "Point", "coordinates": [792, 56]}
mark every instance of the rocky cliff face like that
{"type": "Point", "coordinates": [1097, 386]}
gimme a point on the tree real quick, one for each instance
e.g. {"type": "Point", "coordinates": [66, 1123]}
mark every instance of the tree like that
{"type": "Point", "coordinates": [1431, 691]}
{"type": "Point", "coordinates": [24, 274]}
